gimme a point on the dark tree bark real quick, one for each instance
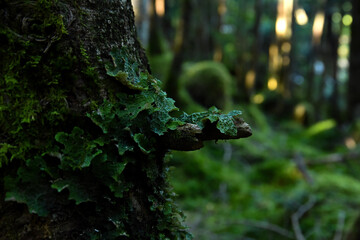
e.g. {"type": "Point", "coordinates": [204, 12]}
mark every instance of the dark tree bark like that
{"type": "Point", "coordinates": [85, 127]}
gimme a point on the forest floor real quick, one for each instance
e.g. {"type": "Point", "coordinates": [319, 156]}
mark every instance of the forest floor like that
{"type": "Point", "coordinates": [284, 182]}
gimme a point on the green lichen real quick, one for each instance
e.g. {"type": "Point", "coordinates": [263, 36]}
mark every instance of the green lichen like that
{"type": "Point", "coordinates": [126, 71]}
{"type": "Point", "coordinates": [224, 122]}
{"type": "Point", "coordinates": [78, 151]}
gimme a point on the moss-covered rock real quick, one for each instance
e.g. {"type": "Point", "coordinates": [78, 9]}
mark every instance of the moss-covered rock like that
{"type": "Point", "coordinates": [205, 84]}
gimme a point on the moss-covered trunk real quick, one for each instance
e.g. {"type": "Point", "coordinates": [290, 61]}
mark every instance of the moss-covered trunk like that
{"type": "Point", "coordinates": [60, 158]}
{"type": "Point", "coordinates": [85, 127]}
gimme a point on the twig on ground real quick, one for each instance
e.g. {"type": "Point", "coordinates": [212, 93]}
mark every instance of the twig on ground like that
{"type": "Point", "coordinates": [334, 158]}
{"type": "Point", "coordinates": [298, 214]}
{"type": "Point", "coordinates": [301, 165]}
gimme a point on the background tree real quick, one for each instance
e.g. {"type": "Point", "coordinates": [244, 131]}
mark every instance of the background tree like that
{"type": "Point", "coordinates": [354, 85]}
{"type": "Point", "coordinates": [194, 40]}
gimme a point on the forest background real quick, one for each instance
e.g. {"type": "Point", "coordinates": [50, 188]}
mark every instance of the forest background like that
{"type": "Point", "coordinates": [291, 67]}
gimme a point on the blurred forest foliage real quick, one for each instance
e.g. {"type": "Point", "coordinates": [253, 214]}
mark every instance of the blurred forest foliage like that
{"type": "Point", "coordinates": [291, 66]}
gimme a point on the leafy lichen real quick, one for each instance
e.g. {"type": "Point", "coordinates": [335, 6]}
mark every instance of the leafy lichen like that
{"type": "Point", "coordinates": [224, 122]}
{"type": "Point", "coordinates": [125, 71]}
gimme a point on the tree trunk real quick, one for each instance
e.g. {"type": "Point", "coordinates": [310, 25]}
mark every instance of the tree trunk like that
{"type": "Point", "coordinates": [194, 39]}
{"type": "Point", "coordinates": [354, 83]}
{"type": "Point", "coordinates": [156, 36]}
{"type": "Point", "coordinates": [85, 127]}
{"type": "Point", "coordinates": [53, 77]}
{"type": "Point", "coordinates": [172, 81]}
{"type": "Point", "coordinates": [254, 64]}
{"type": "Point", "coordinates": [333, 45]}
{"type": "Point", "coordinates": [142, 20]}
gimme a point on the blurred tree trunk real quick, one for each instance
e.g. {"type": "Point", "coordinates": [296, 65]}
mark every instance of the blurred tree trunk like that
{"type": "Point", "coordinates": [156, 44]}
{"type": "Point", "coordinates": [142, 20]}
{"type": "Point", "coordinates": [247, 71]}
{"type": "Point", "coordinates": [181, 36]}
{"type": "Point", "coordinates": [257, 41]}
{"type": "Point", "coordinates": [240, 66]}
{"type": "Point", "coordinates": [204, 19]}
{"type": "Point", "coordinates": [353, 108]}
{"type": "Point", "coordinates": [194, 38]}
{"type": "Point", "coordinates": [333, 45]}
{"type": "Point", "coordinates": [221, 11]}
{"type": "Point", "coordinates": [310, 79]}
{"type": "Point", "coordinates": [166, 21]}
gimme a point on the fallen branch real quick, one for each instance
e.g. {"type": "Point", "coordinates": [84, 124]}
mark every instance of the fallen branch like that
{"type": "Point", "coordinates": [301, 165]}
{"type": "Point", "coordinates": [298, 214]}
{"type": "Point", "coordinates": [335, 158]}
{"type": "Point", "coordinates": [190, 136]}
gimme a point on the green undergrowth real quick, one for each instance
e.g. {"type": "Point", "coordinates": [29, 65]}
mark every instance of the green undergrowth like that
{"type": "Point", "coordinates": [160, 65]}
{"type": "Point", "coordinates": [247, 188]}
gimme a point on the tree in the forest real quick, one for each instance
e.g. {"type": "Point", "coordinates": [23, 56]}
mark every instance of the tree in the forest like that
{"type": "Point", "coordinates": [85, 127]}
{"type": "Point", "coordinates": [194, 39]}
{"type": "Point", "coordinates": [354, 84]}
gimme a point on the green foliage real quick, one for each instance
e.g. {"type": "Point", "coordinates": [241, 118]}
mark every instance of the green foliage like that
{"type": "Point", "coordinates": [78, 151]}
{"type": "Point", "coordinates": [76, 187]}
{"type": "Point", "coordinates": [4, 150]}
{"type": "Point", "coordinates": [125, 71]}
{"type": "Point", "coordinates": [225, 122]}
{"type": "Point", "coordinates": [30, 186]}
{"type": "Point", "coordinates": [260, 184]}
{"type": "Point", "coordinates": [196, 168]}
{"type": "Point", "coordinates": [160, 65]}
{"type": "Point", "coordinates": [340, 183]}
{"type": "Point", "coordinates": [320, 127]}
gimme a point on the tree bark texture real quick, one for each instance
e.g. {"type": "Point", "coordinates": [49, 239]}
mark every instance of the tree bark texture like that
{"type": "Point", "coordinates": [83, 126]}
{"type": "Point", "coordinates": [53, 57]}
